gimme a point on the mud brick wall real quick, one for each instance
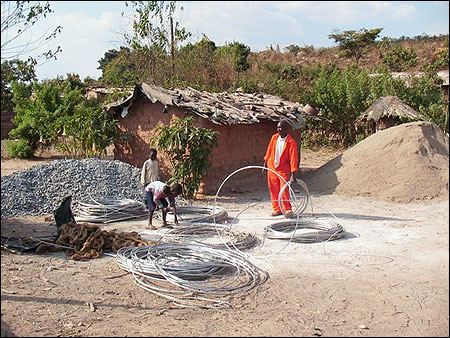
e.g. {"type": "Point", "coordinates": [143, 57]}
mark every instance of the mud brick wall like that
{"type": "Point", "coordinates": [6, 122]}
{"type": "Point", "coordinates": [238, 146]}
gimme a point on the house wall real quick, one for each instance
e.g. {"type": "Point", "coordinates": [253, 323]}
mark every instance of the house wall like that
{"type": "Point", "coordinates": [7, 124]}
{"type": "Point", "coordinates": [238, 146]}
{"type": "Point", "coordinates": [445, 91]}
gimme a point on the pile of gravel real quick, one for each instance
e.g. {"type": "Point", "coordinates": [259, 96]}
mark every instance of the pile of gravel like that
{"type": "Point", "coordinates": [40, 189]}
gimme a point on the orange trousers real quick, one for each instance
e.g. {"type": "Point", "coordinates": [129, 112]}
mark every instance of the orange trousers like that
{"type": "Point", "coordinates": [275, 183]}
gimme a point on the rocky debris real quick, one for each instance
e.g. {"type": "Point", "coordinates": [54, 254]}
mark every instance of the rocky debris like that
{"type": "Point", "coordinates": [40, 189]}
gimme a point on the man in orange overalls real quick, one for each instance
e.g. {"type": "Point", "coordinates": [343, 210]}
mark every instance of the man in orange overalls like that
{"type": "Point", "coordinates": [282, 157]}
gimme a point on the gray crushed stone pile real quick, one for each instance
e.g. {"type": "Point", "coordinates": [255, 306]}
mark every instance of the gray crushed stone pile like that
{"type": "Point", "coordinates": [40, 189]}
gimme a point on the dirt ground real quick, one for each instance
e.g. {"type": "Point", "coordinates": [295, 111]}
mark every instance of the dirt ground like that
{"type": "Point", "coordinates": [388, 276]}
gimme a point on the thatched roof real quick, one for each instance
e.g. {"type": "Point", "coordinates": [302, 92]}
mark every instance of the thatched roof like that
{"type": "Point", "coordinates": [388, 106]}
{"type": "Point", "coordinates": [219, 108]}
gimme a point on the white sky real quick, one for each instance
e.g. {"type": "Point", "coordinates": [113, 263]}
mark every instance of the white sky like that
{"type": "Point", "coordinates": [90, 28]}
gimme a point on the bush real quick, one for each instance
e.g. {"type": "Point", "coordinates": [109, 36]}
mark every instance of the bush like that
{"type": "Point", "coordinates": [19, 148]}
{"type": "Point", "coordinates": [188, 148]}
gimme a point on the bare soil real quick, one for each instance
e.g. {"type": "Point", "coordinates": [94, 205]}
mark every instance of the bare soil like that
{"type": "Point", "coordinates": [388, 276]}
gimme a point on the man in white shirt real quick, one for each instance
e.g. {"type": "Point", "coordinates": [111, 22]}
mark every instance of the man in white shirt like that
{"type": "Point", "coordinates": [149, 172]}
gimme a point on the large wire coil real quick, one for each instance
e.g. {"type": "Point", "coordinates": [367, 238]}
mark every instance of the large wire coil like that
{"type": "Point", "coordinates": [291, 230]}
{"type": "Point", "coordinates": [299, 196]}
{"type": "Point", "coordinates": [191, 274]}
{"type": "Point", "coordinates": [201, 232]}
{"type": "Point", "coordinates": [109, 210]}
{"type": "Point", "coordinates": [199, 213]}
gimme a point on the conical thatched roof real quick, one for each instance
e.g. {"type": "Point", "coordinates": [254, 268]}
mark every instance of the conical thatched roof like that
{"type": "Point", "coordinates": [388, 106]}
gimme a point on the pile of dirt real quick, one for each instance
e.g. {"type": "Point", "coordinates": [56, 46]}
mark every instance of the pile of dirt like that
{"type": "Point", "coordinates": [403, 163]}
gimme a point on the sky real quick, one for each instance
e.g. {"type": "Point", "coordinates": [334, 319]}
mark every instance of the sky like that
{"type": "Point", "coordinates": [90, 28]}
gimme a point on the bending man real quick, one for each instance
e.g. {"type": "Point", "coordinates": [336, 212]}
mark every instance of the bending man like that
{"type": "Point", "coordinates": [157, 194]}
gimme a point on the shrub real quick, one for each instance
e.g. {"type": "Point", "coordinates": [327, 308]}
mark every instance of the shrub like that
{"type": "Point", "coordinates": [19, 148]}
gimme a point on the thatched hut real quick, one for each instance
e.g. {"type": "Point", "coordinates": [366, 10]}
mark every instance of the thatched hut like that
{"type": "Point", "coordinates": [386, 112]}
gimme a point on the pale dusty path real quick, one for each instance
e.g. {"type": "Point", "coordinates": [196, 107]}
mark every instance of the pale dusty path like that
{"type": "Point", "coordinates": [389, 276]}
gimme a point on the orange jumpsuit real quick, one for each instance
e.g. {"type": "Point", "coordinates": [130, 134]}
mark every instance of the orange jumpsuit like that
{"type": "Point", "coordinates": [288, 164]}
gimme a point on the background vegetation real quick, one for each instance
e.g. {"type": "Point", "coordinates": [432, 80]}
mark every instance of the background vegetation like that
{"type": "Point", "coordinates": [158, 50]}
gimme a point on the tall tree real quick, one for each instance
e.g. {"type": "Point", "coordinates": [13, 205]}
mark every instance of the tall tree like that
{"type": "Point", "coordinates": [111, 55]}
{"type": "Point", "coordinates": [354, 43]}
{"type": "Point", "coordinates": [155, 33]}
{"type": "Point", "coordinates": [14, 71]}
{"type": "Point", "coordinates": [17, 18]}
{"type": "Point", "coordinates": [238, 54]}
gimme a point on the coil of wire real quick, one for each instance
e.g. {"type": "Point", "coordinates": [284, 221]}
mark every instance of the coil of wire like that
{"type": "Point", "coordinates": [205, 231]}
{"type": "Point", "coordinates": [299, 196]}
{"type": "Point", "coordinates": [191, 274]}
{"type": "Point", "coordinates": [292, 230]}
{"type": "Point", "coordinates": [197, 213]}
{"type": "Point", "coordinates": [109, 210]}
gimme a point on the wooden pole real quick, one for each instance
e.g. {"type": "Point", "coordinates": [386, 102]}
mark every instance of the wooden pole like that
{"type": "Point", "coordinates": [172, 41]}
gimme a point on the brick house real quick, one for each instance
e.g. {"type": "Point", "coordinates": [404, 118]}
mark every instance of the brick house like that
{"type": "Point", "coordinates": [245, 123]}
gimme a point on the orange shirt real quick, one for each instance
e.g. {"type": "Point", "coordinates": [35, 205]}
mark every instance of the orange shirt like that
{"type": "Point", "coordinates": [289, 155]}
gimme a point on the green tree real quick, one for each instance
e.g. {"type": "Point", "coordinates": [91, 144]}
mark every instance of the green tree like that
{"type": "Point", "coordinates": [342, 96]}
{"type": "Point", "coordinates": [107, 58]}
{"type": "Point", "coordinates": [188, 148]}
{"type": "Point", "coordinates": [59, 113]}
{"type": "Point", "coordinates": [127, 69]}
{"type": "Point", "coordinates": [39, 119]}
{"type": "Point", "coordinates": [293, 49]}
{"type": "Point", "coordinates": [237, 53]}
{"type": "Point", "coordinates": [88, 132]}
{"type": "Point", "coordinates": [240, 57]}
{"type": "Point", "coordinates": [396, 57]}
{"type": "Point", "coordinates": [19, 17]}
{"type": "Point", "coordinates": [156, 35]}
{"type": "Point", "coordinates": [196, 65]}
{"type": "Point", "coordinates": [354, 43]}
{"type": "Point", "coordinates": [14, 70]}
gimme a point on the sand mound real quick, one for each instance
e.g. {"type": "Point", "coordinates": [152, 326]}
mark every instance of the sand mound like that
{"type": "Point", "coordinates": [403, 163]}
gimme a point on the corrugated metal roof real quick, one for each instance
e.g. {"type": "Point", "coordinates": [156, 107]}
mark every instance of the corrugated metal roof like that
{"type": "Point", "coordinates": [443, 74]}
{"type": "Point", "coordinates": [220, 108]}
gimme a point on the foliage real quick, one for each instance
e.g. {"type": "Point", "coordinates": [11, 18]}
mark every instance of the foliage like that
{"type": "Point", "coordinates": [151, 26]}
{"type": "Point", "coordinates": [342, 97]}
{"type": "Point", "coordinates": [109, 56]}
{"type": "Point", "coordinates": [88, 132]}
{"type": "Point", "coordinates": [17, 18]}
{"type": "Point", "coordinates": [127, 69]}
{"type": "Point", "coordinates": [156, 35]}
{"type": "Point", "coordinates": [19, 148]}
{"type": "Point", "coordinates": [188, 148]}
{"type": "Point", "coordinates": [196, 64]}
{"type": "Point", "coordinates": [116, 95]}
{"type": "Point", "coordinates": [440, 59]}
{"type": "Point", "coordinates": [57, 113]}
{"type": "Point", "coordinates": [293, 48]}
{"type": "Point", "coordinates": [354, 43]}
{"type": "Point", "coordinates": [396, 57]}
{"type": "Point", "coordinates": [237, 54]}
{"type": "Point", "coordinates": [15, 70]}
{"type": "Point", "coordinates": [37, 119]}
